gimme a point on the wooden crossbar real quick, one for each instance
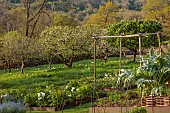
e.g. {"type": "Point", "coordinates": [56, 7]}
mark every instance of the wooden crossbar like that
{"type": "Point", "coordinates": [125, 36]}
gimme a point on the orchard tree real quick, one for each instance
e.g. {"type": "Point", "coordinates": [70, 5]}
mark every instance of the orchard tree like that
{"type": "Point", "coordinates": [105, 16]}
{"type": "Point", "coordinates": [48, 45]}
{"type": "Point", "coordinates": [70, 42]}
{"type": "Point", "coordinates": [134, 27]}
{"type": "Point", "coordinates": [158, 10]}
{"type": "Point", "coordinates": [15, 48]}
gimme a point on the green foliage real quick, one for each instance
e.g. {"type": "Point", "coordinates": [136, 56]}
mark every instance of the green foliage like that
{"type": "Point", "coordinates": [16, 48]}
{"type": "Point", "coordinates": [53, 96]}
{"type": "Point", "coordinates": [105, 16]}
{"type": "Point", "coordinates": [68, 42]}
{"type": "Point", "coordinates": [138, 110]}
{"type": "Point", "coordinates": [135, 27]}
{"type": "Point", "coordinates": [131, 94]}
{"type": "Point", "coordinates": [59, 74]}
{"type": "Point", "coordinates": [108, 81]}
{"type": "Point", "coordinates": [159, 11]}
{"type": "Point", "coordinates": [127, 77]}
{"type": "Point", "coordinates": [64, 20]}
{"type": "Point", "coordinates": [154, 74]}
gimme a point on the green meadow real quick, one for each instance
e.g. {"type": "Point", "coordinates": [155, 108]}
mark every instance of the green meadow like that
{"type": "Point", "coordinates": [59, 75]}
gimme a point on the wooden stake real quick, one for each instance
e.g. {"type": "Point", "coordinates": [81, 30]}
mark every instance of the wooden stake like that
{"type": "Point", "coordinates": [159, 41]}
{"type": "Point", "coordinates": [94, 83]}
{"type": "Point", "coordinates": [120, 58]}
{"type": "Point", "coordinates": [140, 54]}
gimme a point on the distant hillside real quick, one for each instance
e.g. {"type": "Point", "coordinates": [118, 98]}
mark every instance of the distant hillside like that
{"type": "Point", "coordinates": [66, 5]}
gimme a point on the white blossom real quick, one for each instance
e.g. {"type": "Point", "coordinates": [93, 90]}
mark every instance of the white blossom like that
{"type": "Point", "coordinates": [53, 67]}
{"type": "Point", "coordinates": [39, 94]}
{"type": "Point", "coordinates": [5, 95]}
{"type": "Point", "coordinates": [39, 98]}
{"type": "Point", "coordinates": [66, 87]}
{"type": "Point", "coordinates": [73, 88]}
{"type": "Point", "coordinates": [69, 95]}
{"type": "Point", "coordinates": [43, 94]}
{"type": "Point", "coordinates": [106, 75]}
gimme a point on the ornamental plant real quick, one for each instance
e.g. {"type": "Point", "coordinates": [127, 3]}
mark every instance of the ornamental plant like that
{"type": "Point", "coordinates": [58, 96]}
{"type": "Point", "coordinates": [8, 98]}
{"type": "Point", "coordinates": [10, 104]}
{"type": "Point", "coordinates": [138, 110]}
{"type": "Point", "coordinates": [107, 81]}
{"type": "Point", "coordinates": [154, 73]}
{"type": "Point", "coordinates": [12, 107]}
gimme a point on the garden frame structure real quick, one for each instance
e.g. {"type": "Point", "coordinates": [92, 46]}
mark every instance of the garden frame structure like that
{"type": "Point", "coordinates": [140, 35]}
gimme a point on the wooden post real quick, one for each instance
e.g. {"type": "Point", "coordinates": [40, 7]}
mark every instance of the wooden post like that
{"type": "Point", "coordinates": [94, 82]}
{"type": "Point", "coordinates": [159, 41]}
{"type": "Point", "coordinates": [140, 53]}
{"type": "Point", "coordinates": [94, 62]}
{"type": "Point", "coordinates": [120, 67]}
{"type": "Point", "coordinates": [120, 57]}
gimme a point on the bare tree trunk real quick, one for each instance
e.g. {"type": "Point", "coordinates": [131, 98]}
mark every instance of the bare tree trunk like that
{"type": "Point", "coordinates": [22, 66]}
{"type": "Point", "coordinates": [70, 63]}
{"type": "Point", "coordinates": [36, 16]}
{"type": "Point", "coordinates": [49, 62]}
{"type": "Point", "coordinates": [135, 53]}
{"type": "Point", "coordinates": [106, 55]}
{"type": "Point", "coordinates": [105, 59]}
{"type": "Point", "coordinates": [9, 66]}
{"type": "Point", "coordinates": [27, 17]}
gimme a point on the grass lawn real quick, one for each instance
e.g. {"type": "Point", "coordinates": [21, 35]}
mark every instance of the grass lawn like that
{"type": "Point", "coordinates": [59, 74]}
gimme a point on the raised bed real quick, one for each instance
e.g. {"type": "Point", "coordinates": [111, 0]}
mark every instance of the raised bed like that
{"type": "Point", "coordinates": [49, 109]}
{"type": "Point", "coordinates": [151, 101]}
{"type": "Point", "coordinates": [118, 110]}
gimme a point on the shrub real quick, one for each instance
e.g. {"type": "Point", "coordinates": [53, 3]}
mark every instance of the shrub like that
{"type": "Point", "coordinates": [138, 110]}
{"type": "Point", "coordinates": [8, 98]}
{"type": "Point", "coordinates": [132, 94]}
{"type": "Point", "coordinates": [12, 107]}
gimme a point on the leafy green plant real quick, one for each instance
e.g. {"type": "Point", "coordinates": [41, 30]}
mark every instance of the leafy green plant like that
{"type": "Point", "coordinates": [107, 81]}
{"type": "Point", "coordinates": [154, 74]}
{"type": "Point", "coordinates": [138, 110]}
{"type": "Point", "coordinates": [30, 99]}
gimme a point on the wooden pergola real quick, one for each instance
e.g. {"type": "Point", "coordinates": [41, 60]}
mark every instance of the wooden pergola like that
{"type": "Point", "coordinates": [140, 35]}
